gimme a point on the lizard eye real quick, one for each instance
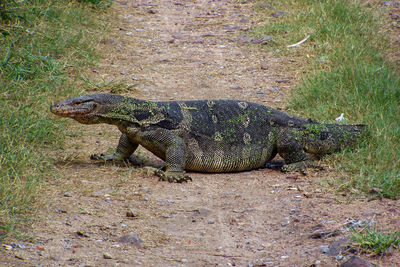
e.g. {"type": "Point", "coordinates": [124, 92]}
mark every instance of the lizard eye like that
{"type": "Point", "coordinates": [80, 101]}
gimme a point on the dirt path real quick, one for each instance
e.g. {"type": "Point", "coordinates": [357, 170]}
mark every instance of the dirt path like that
{"type": "Point", "coordinates": [108, 215]}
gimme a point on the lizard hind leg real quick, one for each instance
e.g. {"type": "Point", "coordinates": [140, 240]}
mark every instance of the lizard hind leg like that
{"type": "Point", "coordinates": [124, 150]}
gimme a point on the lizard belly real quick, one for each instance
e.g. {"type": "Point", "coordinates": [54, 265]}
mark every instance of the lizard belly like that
{"type": "Point", "coordinates": [230, 159]}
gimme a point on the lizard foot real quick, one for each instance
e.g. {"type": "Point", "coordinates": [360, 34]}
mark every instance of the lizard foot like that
{"type": "Point", "coordinates": [171, 177]}
{"type": "Point", "coordinates": [106, 157]}
{"type": "Point", "coordinates": [300, 166]}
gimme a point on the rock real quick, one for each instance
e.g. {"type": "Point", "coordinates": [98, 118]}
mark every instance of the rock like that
{"type": "Point", "coordinates": [7, 247]}
{"type": "Point", "coordinates": [263, 40]}
{"type": "Point", "coordinates": [249, 69]}
{"type": "Point", "coordinates": [83, 234]}
{"type": "Point", "coordinates": [337, 247]}
{"type": "Point", "coordinates": [67, 194]}
{"type": "Point", "coordinates": [355, 261]}
{"type": "Point", "coordinates": [107, 255]}
{"type": "Point", "coordinates": [324, 249]}
{"type": "Point", "coordinates": [278, 14]}
{"type": "Point", "coordinates": [20, 257]}
{"type": "Point", "coordinates": [132, 239]}
{"type": "Point", "coordinates": [132, 213]}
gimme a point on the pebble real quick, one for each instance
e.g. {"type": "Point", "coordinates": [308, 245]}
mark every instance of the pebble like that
{"type": "Point", "coordinates": [339, 257]}
{"type": "Point", "coordinates": [324, 249]}
{"type": "Point", "coordinates": [107, 255]}
{"type": "Point", "coordinates": [355, 261]}
{"type": "Point", "coordinates": [19, 257]}
{"type": "Point", "coordinates": [132, 238]}
{"type": "Point", "coordinates": [67, 194]}
{"type": "Point", "coordinates": [132, 213]}
{"type": "Point", "coordinates": [146, 199]}
{"type": "Point", "coordinates": [21, 246]}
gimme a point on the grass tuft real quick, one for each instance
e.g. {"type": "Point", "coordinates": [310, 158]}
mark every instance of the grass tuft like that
{"type": "Point", "coordinates": [375, 243]}
{"type": "Point", "coordinates": [350, 75]}
{"type": "Point", "coordinates": [42, 43]}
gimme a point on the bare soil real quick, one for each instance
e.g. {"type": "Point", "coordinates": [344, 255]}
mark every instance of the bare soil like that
{"type": "Point", "coordinates": [109, 214]}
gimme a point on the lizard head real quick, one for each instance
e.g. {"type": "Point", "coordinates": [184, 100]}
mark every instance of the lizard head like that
{"type": "Point", "coordinates": [108, 108]}
{"type": "Point", "coordinates": [87, 109]}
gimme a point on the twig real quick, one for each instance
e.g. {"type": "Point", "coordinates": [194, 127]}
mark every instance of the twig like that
{"type": "Point", "coordinates": [299, 43]}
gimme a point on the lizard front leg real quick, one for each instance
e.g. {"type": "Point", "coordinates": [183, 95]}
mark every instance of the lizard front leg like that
{"type": "Point", "coordinates": [291, 150]}
{"type": "Point", "coordinates": [169, 147]}
{"type": "Point", "coordinates": [124, 150]}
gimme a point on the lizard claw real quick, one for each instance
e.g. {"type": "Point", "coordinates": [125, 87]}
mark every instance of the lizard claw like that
{"type": "Point", "coordinates": [300, 166]}
{"type": "Point", "coordinates": [172, 177]}
{"type": "Point", "coordinates": [96, 156]}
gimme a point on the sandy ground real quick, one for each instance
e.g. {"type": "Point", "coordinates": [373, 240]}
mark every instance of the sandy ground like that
{"type": "Point", "coordinates": [108, 214]}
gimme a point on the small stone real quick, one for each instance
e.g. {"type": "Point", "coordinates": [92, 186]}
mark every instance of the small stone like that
{"type": "Point", "coordinates": [132, 238]}
{"type": "Point", "coordinates": [284, 224]}
{"type": "Point", "coordinates": [236, 88]}
{"type": "Point", "coordinates": [107, 255]}
{"type": "Point", "coordinates": [264, 40]}
{"type": "Point", "coordinates": [260, 92]}
{"type": "Point", "coordinates": [184, 260]}
{"type": "Point", "coordinates": [21, 246]}
{"type": "Point", "coordinates": [67, 194]}
{"type": "Point", "coordinates": [324, 249]}
{"type": "Point", "coordinates": [355, 261]}
{"type": "Point", "coordinates": [339, 257]}
{"type": "Point", "coordinates": [339, 246]}
{"type": "Point", "coordinates": [264, 67]}
{"type": "Point", "coordinates": [20, 257]}
{"type": "Point", "coordinates": [132, 214]}
{"type": "Point", "coordinates": [61, 211]}
{"type": "Point", "coordinates": [83, 234]}
{"type": "Point", "coordinates": [211, 222]}
{"type": "Point", "coordinates": [278, 14]}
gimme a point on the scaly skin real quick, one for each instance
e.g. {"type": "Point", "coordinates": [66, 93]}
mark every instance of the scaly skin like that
{"type": "Point", "coordinates": [208, 135]}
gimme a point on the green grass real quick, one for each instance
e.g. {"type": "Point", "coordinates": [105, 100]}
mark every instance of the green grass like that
{"type": "Point", "coordinates": [348, 73]}
{"type": "Point", "coordinates": [375, 243]}
{"type": "Point", "coordinates": [44, 44]}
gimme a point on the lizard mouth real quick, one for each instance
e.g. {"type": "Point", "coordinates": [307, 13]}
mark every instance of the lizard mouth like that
{"type": "Point", "coordinates": [73, 110]}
